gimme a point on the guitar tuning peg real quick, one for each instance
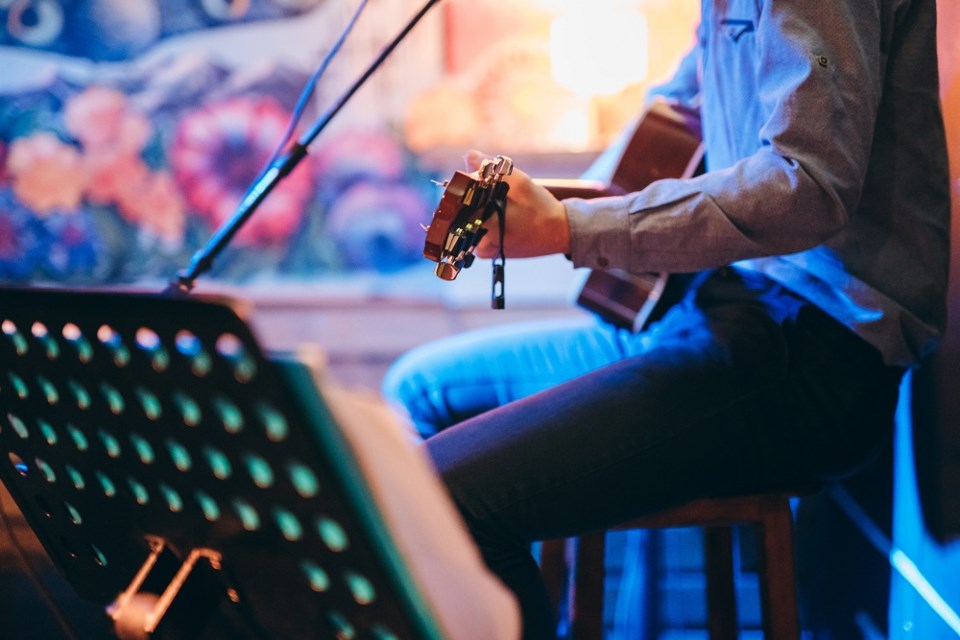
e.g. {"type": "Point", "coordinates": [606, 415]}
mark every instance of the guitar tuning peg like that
{"type": "Point", "coordinates": [503, 165]}
{"type": "Point", "coordinates": [491, 171]}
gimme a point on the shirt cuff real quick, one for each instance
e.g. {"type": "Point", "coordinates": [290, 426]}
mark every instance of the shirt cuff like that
{"type": "Point", "coordinates": [599, 233]}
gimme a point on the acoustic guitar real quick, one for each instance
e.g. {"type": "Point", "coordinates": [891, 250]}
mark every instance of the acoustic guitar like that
{"type": "Point", "coordinates": [666, 143]}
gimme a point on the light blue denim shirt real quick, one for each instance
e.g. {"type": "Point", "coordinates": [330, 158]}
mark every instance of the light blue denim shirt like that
{"type": "Point", "coordinates": [827, 166]}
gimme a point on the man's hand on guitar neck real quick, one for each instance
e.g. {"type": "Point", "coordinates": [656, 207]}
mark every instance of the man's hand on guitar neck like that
{"type": "Point", "coordinates": [536, 222]}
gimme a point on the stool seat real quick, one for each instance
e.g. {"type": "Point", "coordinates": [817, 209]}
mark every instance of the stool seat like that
{"type": "Point", "coordinates": [772, 518]}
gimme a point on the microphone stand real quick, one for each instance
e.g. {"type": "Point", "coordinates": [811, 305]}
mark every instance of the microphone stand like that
{"type": "Point", "coordinates": [203, 259]}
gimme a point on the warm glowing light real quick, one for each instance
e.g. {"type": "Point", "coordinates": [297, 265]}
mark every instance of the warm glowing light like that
{"type": "Point", "coordinates": [599, 50]}
{"type": "Point", "coordinates": [566, 6]}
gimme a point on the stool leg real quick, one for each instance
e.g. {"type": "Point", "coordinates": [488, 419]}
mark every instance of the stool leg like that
{"type": "Point", "coordinates": [553, 568]}
{"type": "Point", "coordinates": [778, 588]}
{"type": "Point", "coordinates": [721, 590]}
{"type": "Point", "coordinates": [586, 608]}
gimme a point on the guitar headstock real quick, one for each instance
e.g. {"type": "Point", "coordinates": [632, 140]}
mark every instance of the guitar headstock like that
{"type": "Point", "coordinates": [468, 201]}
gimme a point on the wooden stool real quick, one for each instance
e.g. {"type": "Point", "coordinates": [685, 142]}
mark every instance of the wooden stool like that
{"type": "Point", "coordinates": [773, 518]}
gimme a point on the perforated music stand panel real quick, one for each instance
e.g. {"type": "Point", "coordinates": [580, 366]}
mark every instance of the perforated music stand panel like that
{"type": "Point", "coordinates": [130, 415]}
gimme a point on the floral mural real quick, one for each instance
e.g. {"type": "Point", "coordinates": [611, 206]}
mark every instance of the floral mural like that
{"type": "Point", "coordinates": [130, 129]}
{"type": "Point", "coordinates": [122, 175]}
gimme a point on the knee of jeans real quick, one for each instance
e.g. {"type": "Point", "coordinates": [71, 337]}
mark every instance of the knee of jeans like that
{"type": "Point", "coordinates": [394, 383]}
{"type": "Point", "coordinates": [406, 387]}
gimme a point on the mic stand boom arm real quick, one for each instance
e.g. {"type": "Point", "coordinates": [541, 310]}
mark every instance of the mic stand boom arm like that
{"type": "Point", "coordinates": [203, 259]}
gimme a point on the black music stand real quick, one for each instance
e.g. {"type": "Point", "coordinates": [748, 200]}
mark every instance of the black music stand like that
{"type": "Point", "coordinates": [172, 470]}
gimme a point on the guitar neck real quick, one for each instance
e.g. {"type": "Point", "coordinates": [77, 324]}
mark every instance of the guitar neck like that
{"type": "Point", "coordinates": [576, 188]}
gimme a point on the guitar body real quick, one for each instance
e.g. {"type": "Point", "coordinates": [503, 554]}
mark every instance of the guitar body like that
{"type": "Point", "coordinates": [666, 143]}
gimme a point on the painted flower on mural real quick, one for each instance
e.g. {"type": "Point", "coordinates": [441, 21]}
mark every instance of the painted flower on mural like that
{"type": "Point", "coordinates": [349, 156]}
{"type": "Point", "coordinates": [47, 173]}
{"type": "Point", "coordinates": [378, 225]}
{"type": "Point", "coordinates": [100, 118]}
{"type": "Point", "coordinates": [112, 136]}
{"type": "Point", "coordinates": [217, 153]}
{"type": "Point", "coordinates": [374, 210]}
{"type": "Point", "coordinates": [157, 209]}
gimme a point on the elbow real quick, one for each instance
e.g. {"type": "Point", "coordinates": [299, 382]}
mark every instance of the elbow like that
{"type": "Point", "coordinates": [809, 225]}
{"type": "Point", "coordinates": [828, 222]}
{"type": "Point", "coordinates": [822, 206]}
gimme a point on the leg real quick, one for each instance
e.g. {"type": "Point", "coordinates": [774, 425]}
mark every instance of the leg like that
{"type": "Point", "coordinates": [742, 387]}
{"type": "Point", "coordinates": [446, 381]}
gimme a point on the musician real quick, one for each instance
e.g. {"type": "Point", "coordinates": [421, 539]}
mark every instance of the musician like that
{"type": "Point", "coordinates": [819, 239]}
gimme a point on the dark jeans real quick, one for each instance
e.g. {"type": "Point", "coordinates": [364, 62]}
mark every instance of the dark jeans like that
{"type": "Point", "coordinates": [741, 387]}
